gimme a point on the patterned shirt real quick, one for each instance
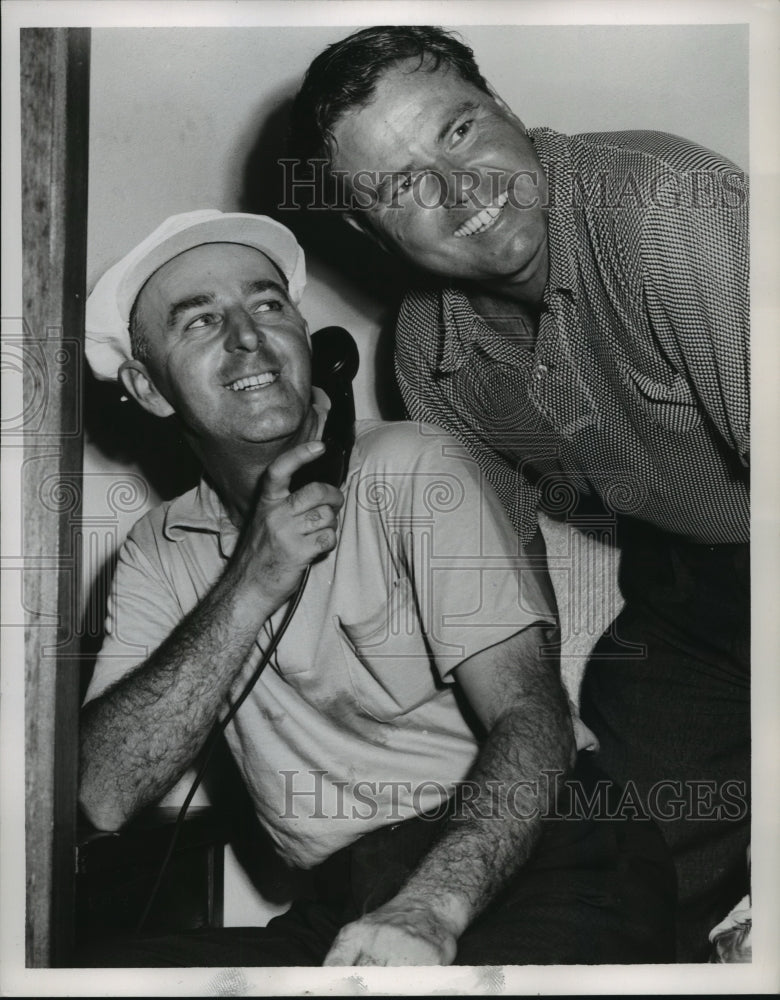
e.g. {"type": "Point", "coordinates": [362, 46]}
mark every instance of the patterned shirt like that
{"type": "Point", "coordinates": [635, 386]}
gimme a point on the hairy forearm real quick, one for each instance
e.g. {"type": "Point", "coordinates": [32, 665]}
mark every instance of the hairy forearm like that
{"type": "Point", "coordinates": [500, 808]}
{"type": "Point", "coordinates": [490, 835]}
{"type": "Point", "coordinates": [140, 736]}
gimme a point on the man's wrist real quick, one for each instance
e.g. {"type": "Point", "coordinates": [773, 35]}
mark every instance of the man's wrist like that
{"type": "Point", "coordinates": [450, 909]}
{"type": "Point", "coordinates": [245, 596]}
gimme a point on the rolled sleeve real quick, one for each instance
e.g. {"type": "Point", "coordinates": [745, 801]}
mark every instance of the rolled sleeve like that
{"type": "Point", "coordinates": [473, 582]}
{"type": "Point", "coordinates": [141, 614]}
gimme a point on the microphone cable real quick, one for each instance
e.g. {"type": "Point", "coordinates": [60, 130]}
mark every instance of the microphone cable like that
{"type": "Point", "coordinates": [213, 738]}
{"type": "Point", "coordinates": [335, 358]}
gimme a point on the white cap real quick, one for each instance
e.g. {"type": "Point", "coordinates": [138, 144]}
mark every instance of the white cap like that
{"type": "Point", "coordinates": [108, 307]}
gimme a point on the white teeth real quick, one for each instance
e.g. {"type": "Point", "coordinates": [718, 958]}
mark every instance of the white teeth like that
{"type": "Point", "coordinates": [252, 381]}
{"type": "Point", "coordinates": [482, 220]}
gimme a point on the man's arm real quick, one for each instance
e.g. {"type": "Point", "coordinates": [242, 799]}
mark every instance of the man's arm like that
{"type": "Point", "coordinates": [518, 696]}
{"type": "Point", "coordinates": [694, 267]}
{"type": "Point", "coordinates": [142, 733]}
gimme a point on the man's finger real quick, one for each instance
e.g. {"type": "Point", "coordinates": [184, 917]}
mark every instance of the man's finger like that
{"type": "Point", "coordinates": [340, 956]}
{"type": "Point", "coordinates": [345, 950]}
{"type": "Point", "coordinates": [314, 495]}
{"type": "Point", "coordinates": [317, 518]}
{"type": "Point", "coordinates": [276, 481]}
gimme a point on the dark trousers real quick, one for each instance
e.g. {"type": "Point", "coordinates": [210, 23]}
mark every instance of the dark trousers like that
{"type": "Point", "coordinates": [674, 721]}
{"type": "Point", "coordinates": [597, 889]}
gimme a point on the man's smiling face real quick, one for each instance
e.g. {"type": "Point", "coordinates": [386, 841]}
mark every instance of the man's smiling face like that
{"type": "Point", "coordinates": [464, 170]}
{"type": "Point", "coordinates": [228, 351]}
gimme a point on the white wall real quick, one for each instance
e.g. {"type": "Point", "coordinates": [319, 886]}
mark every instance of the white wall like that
{"type": "Point", "coordinates": [175, 111]}
{"type": "Point", "coordinates": [175, 114]}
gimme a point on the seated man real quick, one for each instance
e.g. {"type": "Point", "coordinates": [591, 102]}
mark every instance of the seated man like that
{"type": "Point", "coordinates": [408, 735]}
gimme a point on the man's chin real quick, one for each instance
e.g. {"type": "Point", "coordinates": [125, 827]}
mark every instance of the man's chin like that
{"type": "Point", "coordinates": [498, 260]}
{"type": "Point", "coordinates": [487, 274]}
{"type": "Point", "coordinates": [283, 433]}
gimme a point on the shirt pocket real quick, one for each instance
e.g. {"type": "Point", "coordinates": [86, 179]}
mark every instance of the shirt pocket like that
{"type": "Point", "coordinates": [388, 658]}
{"type": "Point", "coordinates": [666, 403]}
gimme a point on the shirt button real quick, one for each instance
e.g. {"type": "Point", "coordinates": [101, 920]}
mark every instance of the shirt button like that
{"type": "Point", "coordinates": [540, 372]}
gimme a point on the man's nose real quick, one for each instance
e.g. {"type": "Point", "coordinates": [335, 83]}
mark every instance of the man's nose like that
{"type": "Point", "coordinates": [463, 188]}
{"type": "Point", "coordinates": [243, 332]}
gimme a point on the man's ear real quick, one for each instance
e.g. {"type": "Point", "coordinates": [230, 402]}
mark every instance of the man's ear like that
{"type": "Point", "coordinates": [138, 383]}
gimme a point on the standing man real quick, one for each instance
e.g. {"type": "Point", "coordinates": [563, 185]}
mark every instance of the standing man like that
{"type": "Point", "coordinates": [405, 735]}
{"type": "Point", "coordinates": [583, 319]}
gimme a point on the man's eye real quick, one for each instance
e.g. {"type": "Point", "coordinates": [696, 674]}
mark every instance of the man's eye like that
{"type": "Point", "coordinates": [269, 305]}
{"type": "Point", "coordinates": [207, 319]}
{"type": "Point", "coordinates": [404, 184]}
{"type": "Point", "coordinates": [463, 129]}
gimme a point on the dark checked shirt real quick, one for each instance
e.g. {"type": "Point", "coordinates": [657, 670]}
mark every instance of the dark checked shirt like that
{"type": "Point", "coordinates": [635, 386]}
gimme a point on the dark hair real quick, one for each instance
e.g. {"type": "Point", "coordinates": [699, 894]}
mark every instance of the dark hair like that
{"type": "Point", "coordinates": [344, 77]}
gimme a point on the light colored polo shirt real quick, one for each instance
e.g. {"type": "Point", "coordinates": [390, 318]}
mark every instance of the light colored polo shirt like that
{"type": "Point", "coordinates": [354, 723]}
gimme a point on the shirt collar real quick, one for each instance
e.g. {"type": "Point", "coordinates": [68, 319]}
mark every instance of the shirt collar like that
{"type": "Point", "coordinates": [201, 510]}
{"type": "Point", "coordinates": [460, 325]}
{"type": "Point", "coordinates": [553, 150]}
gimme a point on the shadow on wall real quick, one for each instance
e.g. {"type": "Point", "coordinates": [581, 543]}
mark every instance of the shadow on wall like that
{"type": "Point", "coordinates": [269, 188]}
{"type": "Point", "coordinates": [129, 437]}
{"type": "Point", "coordinates": [125, 433]}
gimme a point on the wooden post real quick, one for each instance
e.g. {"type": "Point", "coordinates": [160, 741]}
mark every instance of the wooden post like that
{"type": "Point", "coordinates": [55, 117]}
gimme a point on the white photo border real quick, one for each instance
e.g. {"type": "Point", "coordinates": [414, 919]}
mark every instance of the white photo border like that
{"type": "Point", "coordinates": [762, 976]}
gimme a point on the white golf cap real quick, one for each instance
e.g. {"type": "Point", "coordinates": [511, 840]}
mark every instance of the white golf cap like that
{"type": "Point", "coordinates": [111, 301]}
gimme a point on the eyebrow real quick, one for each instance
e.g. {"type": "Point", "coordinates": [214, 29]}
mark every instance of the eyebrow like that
{"type": "Point", "coordinates": [208, 298]}
{"type": "Point", "coordinates": [183, 305]}
{"type": "Point", "coordinates": [264, 285]}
